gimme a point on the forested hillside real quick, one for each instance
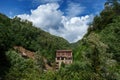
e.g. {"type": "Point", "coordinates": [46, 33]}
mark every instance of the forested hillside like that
{"type": "Point", "coordinates": [96, 56]}
{"type": "Point", "coordinates": [16, 32]}
{"type": "Point", "coordinates": [100, 47]}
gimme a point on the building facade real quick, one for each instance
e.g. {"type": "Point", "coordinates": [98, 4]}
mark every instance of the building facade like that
{"type": "Point", "coordinates": [63, 56]}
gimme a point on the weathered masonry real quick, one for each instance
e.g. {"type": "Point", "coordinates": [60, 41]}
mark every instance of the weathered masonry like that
{"type": "Point", "coordinates": [63, 56]}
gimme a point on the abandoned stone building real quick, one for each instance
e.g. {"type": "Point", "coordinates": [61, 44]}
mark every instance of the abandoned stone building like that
{"type": "Point", "coordinates": [63, 56]}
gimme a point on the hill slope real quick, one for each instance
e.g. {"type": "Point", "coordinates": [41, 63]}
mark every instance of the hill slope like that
{"type": "Point", "coordinates": [96, 56]}
{"type": "Point", "coordinates": [15, 32]}
{"type": "Point", "coordinates": [100, 47]}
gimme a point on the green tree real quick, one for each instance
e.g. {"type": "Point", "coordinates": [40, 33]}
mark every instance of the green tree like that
{"type": "Point", "coordinates": [21, 69]}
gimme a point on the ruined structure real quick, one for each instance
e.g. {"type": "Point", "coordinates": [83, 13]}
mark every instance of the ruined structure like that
{"type": "Point", "coordinates": [24, 52]}
{"type": "Point", "coordinates": [63, 56]}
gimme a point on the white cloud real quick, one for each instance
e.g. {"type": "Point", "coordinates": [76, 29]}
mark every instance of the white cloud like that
{"type": "Point", "coordinates": [45, 16]}
{"type": "Point", "coordinates": [74, 9]}
{"type": "Point", "coordinates": [49, 18]}
{"type": "Point", "coordinates": [74, 28]}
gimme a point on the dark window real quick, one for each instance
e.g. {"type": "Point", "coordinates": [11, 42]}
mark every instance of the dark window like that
{"type": "Point", "coordinates": [69, 58]}
{"type": "Point", "coordinates": [58, 58]}
{"type": "Point", "coordinates": [62, 58]}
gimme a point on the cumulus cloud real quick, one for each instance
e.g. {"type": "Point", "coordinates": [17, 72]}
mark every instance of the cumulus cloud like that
{"type": "Point", "coordinates": [74, 28]}
{"type": "Point", "coordinates": [49, 18]}
{"type": "Point", "coordinates": [45, 16]}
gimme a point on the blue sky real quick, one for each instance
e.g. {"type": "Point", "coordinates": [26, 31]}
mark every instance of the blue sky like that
{"type": "Point", "coordinates": [15, 7]}
{"type": "Point", "coordinates": [66, 18]}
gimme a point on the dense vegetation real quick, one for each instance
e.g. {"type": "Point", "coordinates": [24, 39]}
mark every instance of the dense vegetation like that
{"type": "Point", "coordinates": [100, 46]}
{"type": "Point", "coordinates": [17, 32]}
{"type": "Point", "coordinates": [96, 56]}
